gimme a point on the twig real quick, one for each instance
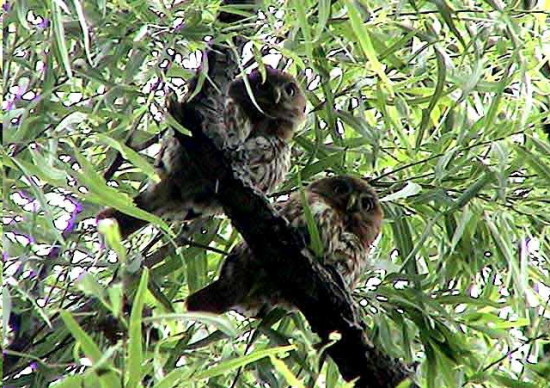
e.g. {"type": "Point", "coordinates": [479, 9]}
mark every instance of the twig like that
{"type": "Point", "coordinates": [512, 351]}
{"type": "Point", "coordinates": [422, 161]}
{"type": "Point", "coordinates": [169, 249]}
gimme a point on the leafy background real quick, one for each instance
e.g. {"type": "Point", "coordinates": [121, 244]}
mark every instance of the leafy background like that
{"type": "Point", "coordinates": [440, 102]}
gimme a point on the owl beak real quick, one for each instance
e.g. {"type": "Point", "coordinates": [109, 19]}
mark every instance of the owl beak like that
{"type": "Point", "coordinates": [277, 95]}
{"type": "Point", "coordinates": [353, 203]}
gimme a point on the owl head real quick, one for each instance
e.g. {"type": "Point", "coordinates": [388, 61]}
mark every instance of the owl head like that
{"type": "Point", "coordinates": [356, 201]}
{"type": "Point", "coordinates": [278, 96]}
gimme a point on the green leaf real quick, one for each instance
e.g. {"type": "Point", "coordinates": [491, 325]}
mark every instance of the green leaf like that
{"type": "Point", "coordinates": [436, 96]}
{"type": "Point", "coordinates": [173, 378]}
{"type": "Point", "coordinates": [506, 381]}
{"type": "Point", "coordinates": [227, 366]}
{"type": "Point", "coordinates": [461, 226]}
{"type": "Point", "coordinates": [59, 34]}
{"type": "Point", "coordinates": [91, 350]}
{"type": "Point", "coordinates": [316, 244]}
{"type": "Point", "coordinates": [323, 14]}
{"type": "Point", "coordinates": [447, 14]}
{"type": "Point", "coordinates": [135, 356]}
{"type": "Point", "coordinates": [304, 24]}
{"type": "Point", "coordinates": [535, 162]}
{"type": "Point", "coordinates": [70, 382]}
{"type": "Point", "coordinates": [90, 286]}
{"type": "Point", "coordinates": [474, 189]}
{"type": "Point", "coordinates": [129, 154]}
{"type": "Point", "coordinates": [283, 369]}
{"type": "Point", "coordinates": [409, 190]}
{"type": "Point", "coordinates": [111, 233]}
{"type": "Point", "coordinates": [360, 30]}
{"type": "Point", "coordinates": [84, 27]}
{"type": "Point", "coordinates": [220, 322]}
{"type": "Point", "coordinates": [6, 306]}
{"type": "Point", "coordinates": [102, 194]}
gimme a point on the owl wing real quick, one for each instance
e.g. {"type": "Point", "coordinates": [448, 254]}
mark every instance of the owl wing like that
{"type": "Point", "coordinates": [230, 289]}
{"type": "Point", "coordinates": [169, 155]}
{"type": "Point", "coordinates": [181, 194]}
{"type": "Point", "coordinates": [349, 258]}
{"type": "Point", "coordinates": [342, 250]}
{"type": "Point", "coordinates": [237, 125]}
{"type": "Point", "coordinates": [267, 159]}
{"type": "Point", "coordinates": [328, 220]}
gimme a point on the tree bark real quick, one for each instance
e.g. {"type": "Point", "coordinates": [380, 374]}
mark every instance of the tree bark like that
{"type": "Point", "coordinates": [304, 282]}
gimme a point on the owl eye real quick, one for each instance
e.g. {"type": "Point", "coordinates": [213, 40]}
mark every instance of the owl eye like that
{"type": "Point", "coordinates": [290, 89]}
{"type": "Point", "coordinates": [261, 86]}
{"type": "Point", "coordinates": [367, 204]}
{"type": "Point", "coordinates": [341, 188]}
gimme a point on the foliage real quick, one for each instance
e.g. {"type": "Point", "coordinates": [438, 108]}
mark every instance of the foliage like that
{"type": "Point", "coordinates": [440, 102]}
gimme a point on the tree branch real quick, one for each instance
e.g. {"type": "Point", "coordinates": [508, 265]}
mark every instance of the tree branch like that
{"type": "Point", "coordinates": [304, 282]}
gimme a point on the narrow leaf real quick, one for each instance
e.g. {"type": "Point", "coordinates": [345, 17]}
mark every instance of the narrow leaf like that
{"type": "Point", "coordinates": [361, 32]}
{"type": "Point", "coordinates": [135, 356]}
{"type": "Point", "coordinates": [59, 34]}
{"type": "Point", "coordinates": [238, 362]}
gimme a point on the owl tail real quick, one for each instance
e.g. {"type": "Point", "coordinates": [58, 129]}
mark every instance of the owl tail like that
{"type": "Point", "coordinates": [215, 298]}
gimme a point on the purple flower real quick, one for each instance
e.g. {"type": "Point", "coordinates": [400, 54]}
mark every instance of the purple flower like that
{"type": "Point", "coordinates": [54, 252]}
{"type": "Point", "coordinates": [77, 205]}
{"type": "Point", "coordinates": [28, 237]}
{"type": "Point", "coordinates": [25, 195]}
{"type": "Point", "coordinates": [71, 224]}
{"type": "Point", "coordinates": [44, 23]}
{"type": "Point", "coordinates": [10, 102]}
{"type": "Point", "coordinates": [6, 7]}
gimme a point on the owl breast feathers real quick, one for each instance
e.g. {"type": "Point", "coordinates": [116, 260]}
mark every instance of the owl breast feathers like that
{"type": "Point", "coordinates": [348, 217]}
{"type": "Point", "coordinates": [255, 131]}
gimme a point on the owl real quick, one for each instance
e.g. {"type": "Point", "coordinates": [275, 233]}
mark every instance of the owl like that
{"type": "Point", "coordinates": [260, 116]}
{"type": "Point", "coordinates": [348, 217]}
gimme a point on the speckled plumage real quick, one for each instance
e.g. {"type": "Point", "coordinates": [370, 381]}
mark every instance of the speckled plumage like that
{"type": "Point", "coordinates": [348, 217]}
{"type": "Point", "coordinates": [257, 140]}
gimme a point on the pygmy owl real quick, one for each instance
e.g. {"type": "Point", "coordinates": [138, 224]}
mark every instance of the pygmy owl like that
{"type": "Point", "coordinates": [255, 131]}
{"type": "Point", "coordinates": [348, 217]}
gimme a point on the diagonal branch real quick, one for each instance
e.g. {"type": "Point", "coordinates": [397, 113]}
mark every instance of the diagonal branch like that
{"type": "Point", "coordinates": [304, 282]}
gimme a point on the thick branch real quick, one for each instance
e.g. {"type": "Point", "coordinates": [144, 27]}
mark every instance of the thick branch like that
{"type": "Point", "coordinates": [304, 282]}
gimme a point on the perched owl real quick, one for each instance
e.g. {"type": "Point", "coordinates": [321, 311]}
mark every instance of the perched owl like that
{"type": "Point", "coordinates": [256, 133]}
{"type": "Point", "coordinates": [348, 217]}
